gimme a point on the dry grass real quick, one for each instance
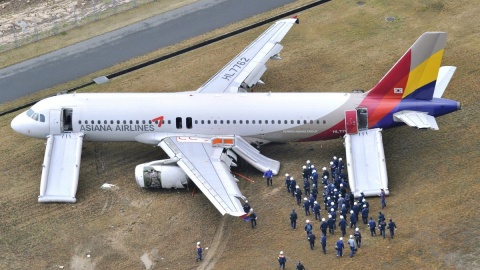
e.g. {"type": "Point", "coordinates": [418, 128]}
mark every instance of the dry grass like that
{"type": "Point", "coordinates": [337, 47]}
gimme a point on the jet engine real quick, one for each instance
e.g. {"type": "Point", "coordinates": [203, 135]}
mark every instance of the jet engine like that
{"type": "Point", "coordinates": [160, 174]}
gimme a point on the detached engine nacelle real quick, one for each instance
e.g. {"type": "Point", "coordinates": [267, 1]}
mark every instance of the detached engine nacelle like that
{"type": "Point", "coordinates": [161, 174]}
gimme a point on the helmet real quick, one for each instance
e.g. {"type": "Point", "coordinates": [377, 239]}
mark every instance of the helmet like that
{"type": "Point", "coordinates": [304, 167]}
{"type": "Point", "coordinates": [251, 209]}
{"type": "Point", "coordinates": [286, 174]}
{"type": "Point", "coordinates": [357, 229]}
{"type": "Point", "coordinates": [335, 189]}
{"type": "Point", "coordinates": [355, 203]}
{"type": "Point", "coordinates": [291, 178]}
{"type": "Point", "coordinates": [313, 166]}
{"type": "Point", "coordinates": [198, 243]}
{"type": "Point", "coordinates": [340, 159]}
{"type": "Point", "coordinates": [334, 157]}
{"type": "Point", "coordinates": [308, 161]}
{"type": "Point", "coordinates": [351, 211]}
{"type": "Point", "coordinates": [323, 219]}
{"type": "Point", "coordinates": [308, 221]}
{"type": "Point", "coordinates": [314, 185]}
{"type": "Point", "coordinates": [364, 205]}
{"type": "Point", "coordinates": [281, 252]}
{"type": "Point", "coordinates": [324, 168]}
{"type": "Point", "coordinates": [331, 209]}
{"type": "Point", "coordinates": [364, 200]}
{"type": "Point", "coordinates": [351, 236]}
{"type": "Point", "coordinates": [329, 216]}
{"type": "Point", "coordinates": [341, 217]}
{"type": "Point", "coordinates": [341, 238]}
{"type": "Point", "coordinates": [341, 185]}
{"type": "Point", "coordinates": [328, 198]}
{"type": "Point", "coordinates": [305, 199]}
{"type": "Point", "coordinates": [297, 186]}
{"type": "Point", "coordinates": [315, 202]}
{"type": "Point", "coordinates": [325, 177]}
{"type": "Point", "coordinates": [331, 162]}
{"type": "Point", "coordinates": [246, 201]}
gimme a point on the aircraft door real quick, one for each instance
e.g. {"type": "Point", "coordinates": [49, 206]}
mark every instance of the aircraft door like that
{"type": "Point", "coordinates": [351, 123]}
{"type": "Point", "coordinates": [55, 122]}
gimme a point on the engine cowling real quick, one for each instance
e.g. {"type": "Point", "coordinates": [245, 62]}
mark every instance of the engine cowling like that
{"type": "Point", "coordinates": [160, 174]}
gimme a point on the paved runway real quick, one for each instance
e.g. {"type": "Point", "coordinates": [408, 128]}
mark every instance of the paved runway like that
{"type": "Point", "coordinates": [109, 49]}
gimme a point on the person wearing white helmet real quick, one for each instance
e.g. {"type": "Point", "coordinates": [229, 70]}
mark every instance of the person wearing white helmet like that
{"type": "Point", "coordinates": [342, 224]}
{"type": "Point", "coordinates": [324, 226]}
{"type": "Point", "coordinates": [331, 224]}
{"type": "Point", "coordinates": [316, 210]}
{"type": "Point", "coordinates": [282, 260]}
{"type": "Point", "coordinates": [199, 252]}
{"type": "Point", "coordinates": [323, 241]}
{"type": "Point", "coordinates": [358, 237]}
{"type": "Point", "coordinates": [246, 207]}
{"type": "Point", "coordinates": [351, 244]}
{"type": "Point", "coordinates": [287, 182]}
{"type": "Point", "coordinates": [308, 227]}
{"type": "Point", "coordinates": [339, 247]}
{"type": "Point", "coordinates": [325, 173]}
{"type": "Point", "coordinates": [305, 172]}
{"type": "Point", "coordinates": [341, 165]}
{"type": "Point", "coordinates": [306, 206]}
{"type": "Point", "coordinates": [268, 175]}
{"type": "Point", "coordinates": [293, 183]}
{"type": "Point", "coordinates": [298, 195]}
{"type": "Point", "coordinates": [353, 219]}
{"type": "Point", "coordinates": [332, 169]}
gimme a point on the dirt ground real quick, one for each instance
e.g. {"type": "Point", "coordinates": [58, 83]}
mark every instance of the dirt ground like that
{"type": "Point", "coordinates": [339, 46]}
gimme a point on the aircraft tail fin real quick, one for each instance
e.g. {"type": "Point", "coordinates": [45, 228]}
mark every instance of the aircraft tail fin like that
{"type": "Point", "coordinates": [415, 73]}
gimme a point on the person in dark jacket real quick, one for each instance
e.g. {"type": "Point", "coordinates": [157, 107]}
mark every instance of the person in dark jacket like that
{"type": "Point", "coordinates": [299, 266]}
{"type": "Point", "coordinates": [353, 219]}
{"type": "Point", "coordinates": [199, 252]}
{"type": "Point", "coordinates": [287, 182]}
{"type": "Point", "coordinates": [293, 219]}
{"type": "Point", "coordinates": [268, 175]}
{"type": "Point", "coordinates": [392, 227]}
{"type": "Point", "coordinates": [381, 226]}
{"type": "Point", "coordinates": [282, 260]}
{"type": "Point", "coordinates": [365, 214]}
{"type": "Point", "coordinates": [358, 237]}
{"type": "Point", "coordinates": [293, 184]}
{"type": "Point", "coordinates": [306, 206]}
{"type": "Point", "coordinates": [246, 207]}
{"type": "Point", "coordinates": [311, 239]}
{"type": "Point", "coordinates": [382, 196]}
{"type": "Point", "coordinates": [316, 210]}
{"type": "Point", "coordinates": [324, 226]}
{"type": "Point", "coordinates": [298, 194]}
{"type": "Point", "coordinates": [343, 225]}
{"type": "Point", "coordinates": [331, 223]}
{"type": "Point", "coordinates": [339, 247]}
{"type": "Point", "coordinates": [308, 227]}
{"type": "Point", "coordinates": [253, 218]}
{"type": "Point", "coordinates": [323, 241]}
{"type": "Point", "coordinates": [372, 225]}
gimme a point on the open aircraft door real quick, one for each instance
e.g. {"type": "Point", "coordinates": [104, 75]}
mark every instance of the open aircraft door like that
{"type": "Point", "coordinates": [351, 122]}
{"type": "Point", "coordinates": [55, 122]}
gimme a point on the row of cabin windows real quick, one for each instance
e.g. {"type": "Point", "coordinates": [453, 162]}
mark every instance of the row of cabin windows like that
{"type": "Point", "coordinates": [178, 122]}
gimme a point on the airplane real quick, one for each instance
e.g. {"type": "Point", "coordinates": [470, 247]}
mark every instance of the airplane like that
{"type": "Point", "coordinates": [204, 131]}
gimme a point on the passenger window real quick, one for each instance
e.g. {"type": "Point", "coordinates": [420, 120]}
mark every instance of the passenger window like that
{"type": "Point", "coordinates": [136, 122]}
{"type": "Point", "coordinates": [234, 121]}
{"type": "Point", "coordinates": [143, 122]}
{"type": "Point", "coordinates": [203, 122]}
{"type": "Point", "coordinates": [259, 121]}
{"type": "Point", "coordinates": [241, 121]}
{"type": "Point", "coordinates": [285, 122]}
{"type": "Point", "coordinates": [298, 121]}
{"type": "Point", "coordinates": [99, 122]}
{"type": "Point", "coordinates": [279, 121]}
{"type": "Point", "coordinates": [124, 121]}
{"type": "Point", "coordinates": [208, 122]}
{"type": "Point", "coordinates": [92, 122]}
{"type": "Point", "coordinates": [131, 122]}
{"type": "Point", "coordinates": [86, 122]}
{"type": "Point", "coordinates": [324, 121]}
{"type": "Point", "coordinates": [169, 122]}
{"type": "Point", "coordinates": [304, 121]}
{"type": "Point", "coordinates": [291, 121]}
{"type": "Point", "coordinates": [80, 122]}
{"type": "Point", "coordinates": [196, 122]}
{"type": "Point", "coordinates": [105, 122]}
{"type": "Point", "coordinates": [111, 122]}
{"type": "Point", "coordinates": [118, 122]}
{"type": "Point", "coordinates": [221, 121]}
{"type": "Point", "coordinates": [246, 121]}
{"type": "Point", "coordinates": [253, 121]}
{"type": "Point", "coordinates": [311, 121]}
{"type": "Point", "coordinates": [214, 121]}
{"type": "Point", "coordinates": [228, 121]}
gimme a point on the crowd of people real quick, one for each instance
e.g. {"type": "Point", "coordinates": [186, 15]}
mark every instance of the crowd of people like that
{"type": "Point", "coordinates": [335, 207]}
{"type": "Point", "coordinates": [328, 199]}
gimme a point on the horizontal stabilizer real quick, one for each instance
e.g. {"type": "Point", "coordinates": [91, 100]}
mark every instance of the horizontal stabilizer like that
{"type": "Point", "coordinates": [444, 75]}
{"type": "Point", "coordinates": [416, 119]}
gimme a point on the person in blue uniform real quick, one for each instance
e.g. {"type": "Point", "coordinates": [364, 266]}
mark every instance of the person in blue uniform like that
{"type": "Point", "coordinates": [253, 218]}
{"type": "Point", "coordinates": [308, 227]}
{"type": "Point", "coordinates": [331, 224]}
{"type": "Point", "coordinates": [365, 212]}
{"type": "Point", "coordinates": [382, 196]}
{"type": "Point", "coordinates": [351, 244]}
{"type": "Point", "coordinates": [314, 191]}
{"type": "Point", "coordinates": [316, 210]}
{"type": "Point", "coordinates": [306, 186]}
{"type": "Point", "coordinates": [306, 206]}
{"type": "Point", "coordinates": [381, 226]}
{"type": "Point", "coordinates": [323, 241]}
{"type": "Point", "coordinates": [293, 184]}
{"type": "Point", "coordinates": [298, 194]}
{"type": "Point", "coordinates": [342, 224]}
{"type": "Point", "coordinates": [246, 207]}
{"type": "Point", "coordinates": [324, 226]}
{"type": "Point", "coordinates": [353, 219]}
{"type": "Point", "coordinates": [372, 225]}
{"type": "Point", "coordinates": [293, 219]}
{"type": "Point", "coordinates": [199, 252]}
{"type": "Point", "coordinates": [339, 247]}
{"type": "Point", "coordinates": [287, 182]}
{"type": "Point", "coordinates": [392, 227]}
{"type": "Point", "coordinates": [281, 260]}
{"type": "Point", "coordinates": [268, 175]}
{"type": "Point", "coordinates": [311, 239]}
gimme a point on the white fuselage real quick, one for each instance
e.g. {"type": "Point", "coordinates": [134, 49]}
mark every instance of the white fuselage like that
{"type": "Point", "coordinates": [261, 117]}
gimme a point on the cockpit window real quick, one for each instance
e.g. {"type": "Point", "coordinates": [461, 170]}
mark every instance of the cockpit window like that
{"type": "Point", "coordinates": [36, 116]}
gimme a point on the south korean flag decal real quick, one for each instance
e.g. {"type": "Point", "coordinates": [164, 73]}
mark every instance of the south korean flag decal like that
{"type": "Point", "coordinates": [398, 90]}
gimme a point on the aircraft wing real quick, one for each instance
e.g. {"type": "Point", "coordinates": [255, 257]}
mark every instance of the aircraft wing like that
{"type": "Point", "coordinates": [416, 119]}
{"type": "Point", "coordinates": [205, 166]}
{"type": "Point", "coordinates": [245, 70]}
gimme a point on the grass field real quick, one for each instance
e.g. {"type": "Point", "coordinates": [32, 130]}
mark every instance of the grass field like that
{"type": "Point", "coordinates": [339, 46]}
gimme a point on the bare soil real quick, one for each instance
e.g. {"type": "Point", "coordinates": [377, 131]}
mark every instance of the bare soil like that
{"type": "Point", "coordinates": [338, 46]}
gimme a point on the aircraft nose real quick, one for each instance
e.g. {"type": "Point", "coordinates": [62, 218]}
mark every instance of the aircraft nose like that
{"type": "Point", "coordinates": [18, 124]}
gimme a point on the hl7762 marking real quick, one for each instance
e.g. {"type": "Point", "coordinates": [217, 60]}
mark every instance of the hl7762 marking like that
{"type": "Point", "coordinates": [235, 68]}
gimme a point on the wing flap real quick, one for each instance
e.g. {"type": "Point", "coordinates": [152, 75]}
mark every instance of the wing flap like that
{"type": "Point", "coordinates": [416, 119]}
{"type": "Point", "coordinates": [203, 165]}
